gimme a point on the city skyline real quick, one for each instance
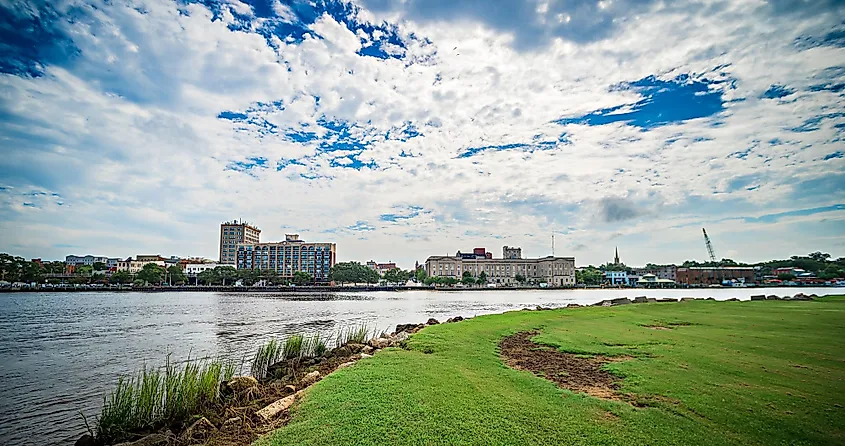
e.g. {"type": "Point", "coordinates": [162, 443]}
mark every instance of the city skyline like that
{"type": "Point", "coordinates": [402, 130]}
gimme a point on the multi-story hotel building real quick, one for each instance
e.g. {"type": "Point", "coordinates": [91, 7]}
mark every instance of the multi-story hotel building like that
{"type": "Point", "coordinates": [288, 257]}
{"type": "Point", "coordinates": [232, 233]}
{"type": "Point", "coordinates": [555, 271]}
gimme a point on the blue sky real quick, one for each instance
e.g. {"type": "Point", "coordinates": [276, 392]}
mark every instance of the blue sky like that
{"type": "Point", "coordinates": [403, 129]}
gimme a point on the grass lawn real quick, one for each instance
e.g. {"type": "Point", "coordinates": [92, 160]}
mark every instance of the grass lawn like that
{"type": "Point", "coordinates": [727, 373]}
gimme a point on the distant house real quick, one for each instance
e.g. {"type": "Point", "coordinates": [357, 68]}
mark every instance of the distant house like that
{"type": "Point", "coordinates": [616, 277]}
{"type": "Point", "coordinates": [651, 281]}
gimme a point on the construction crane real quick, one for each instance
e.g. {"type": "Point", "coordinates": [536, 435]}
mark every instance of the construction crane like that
{"type": "Point", "coordinates": [709, 246]}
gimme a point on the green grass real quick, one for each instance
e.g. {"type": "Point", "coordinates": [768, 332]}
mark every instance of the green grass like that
{"type": "Point", "coordinates": [161, 396]}
{"type": "Point", "coordinates": [727, 373]}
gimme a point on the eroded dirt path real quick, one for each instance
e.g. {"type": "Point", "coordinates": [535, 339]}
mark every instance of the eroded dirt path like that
{"type": "Point", "coordinates": [569, 371]}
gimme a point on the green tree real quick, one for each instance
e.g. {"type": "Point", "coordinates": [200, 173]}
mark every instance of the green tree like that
{"type": "Point", "coordinates": [420, 275]}
{"type": "Point", "coordinates": [226, 274]}
{"type": "Point", "coordinates": [482, 278]}
{"type": "Point", "coordinates": [100, 266]}
{"type": "Point", "coordinates": [467, 278]}
{"type": "Point", "coordinates": [209, 277]}
{"type": "Point", "coordinates": [248, 277]}
{"type": "Point", "coordinates": [819, 256]}
{"type": "Point", "coordinates": [176, 276]}
{"type": "Point", "coordinates": [520, 278]}
{"type": "Point", "coordinates": [395, 275]}
{"type": "Point", "coordinates": [151, 274]}
{"type": "Point", "coordinates": [54, 267]}
{"type": "Point", "coordinates": [588, 276]}
{"type": "Point", "coordinates": [270, 276]}
{"type": "Point", "coordinates": [84, 270]}
{"type": "Point", "coordinates": [302, 278]}
{"type": "Point", "coordinates": [786, 276]}
{"type": "Point", "coordinates": [120, 277]}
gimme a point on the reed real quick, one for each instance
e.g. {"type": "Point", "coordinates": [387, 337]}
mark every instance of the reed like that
{"type": "Point", "coordinates": [352, 335]}
{"type": "Point", "coordinates": [266, 355]}
{"type": "Point", "coordinates": [154, 397]}
{"type": "Point", "coordinates": [293, 348]}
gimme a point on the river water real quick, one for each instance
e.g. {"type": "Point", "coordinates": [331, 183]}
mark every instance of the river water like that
{"type": "Point", "coordinates": [61, 352]}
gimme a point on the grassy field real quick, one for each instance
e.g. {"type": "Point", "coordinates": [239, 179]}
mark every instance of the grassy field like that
{"type": "Point", "coordinates": [726, 373]}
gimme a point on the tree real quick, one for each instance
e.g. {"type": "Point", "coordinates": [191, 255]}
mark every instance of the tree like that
{"type": "Point", "coordinates": [270, 276]}
{"type": "Point", "coordinates": [482, 278]}
{"type": "Point", "coordinates": [520, 278]}
{"type": "Point", "coordinates": [395, 275]}
{"type": "Point", "coordinates": [208, 277]}
{"type": "Point", "coordinates": [819, 256]}
{"type": "Point", "coordinates": [786, 277]}
{"type": "Point", "coordinates": [226, 274]}
{"type": "Point", "coordinates": [176, 275]}
{"type": "Point", "coordinates": [420, 274]}
{"type": "Point", "coordinates": [467, 278]}
{"type": "Point", "coordinates": [248, 276]}
{"type": "Point", "coordinates": [54, 267]}
{"type": "Point", "coordinates": [151, 274]}
{"type": "Point", "coordinates": [120, 277]}
{"type": "Point", "coordinates": [100, 266]}
{"type": "Point", "coordinates": [84, 270]}
{"type": "Point", "coordinates": [588, 276]}
{"type": "Point", "coordinates": [302, 278]}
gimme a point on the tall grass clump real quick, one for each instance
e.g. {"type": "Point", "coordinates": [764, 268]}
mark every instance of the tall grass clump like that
{"type": "Point", "coordinates": [152, 398]}
{"type": "Point", "coordinates": [295, 347]}
{"type": "Point", "coordinates": [352, 335]}
{"type": "Point", "coordinates": [266, 355]}
{"type": "Point", "coordinates": [317, 345]}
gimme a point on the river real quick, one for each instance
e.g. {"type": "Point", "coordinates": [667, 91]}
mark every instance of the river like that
{"type": "Point", "coordinates": [61, 352]}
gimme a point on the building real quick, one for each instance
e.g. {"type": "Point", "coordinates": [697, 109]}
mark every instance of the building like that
{"type": "Point", "coordinates": [705, 275]}
{"type": "Point", "coordinates": [511, 252]}
{"type": "Point", "coordinates": [616, 277]}
{"type": "Point", "coordinates": [76, 261]}
{"type": "Point", "coordinates": [381, 268]}
{"type": "Point", "coordinates": [652, 281]}
{"type": "Point", "coordinates": [231, 234]}
{"type": "Point", "coordinates": [288, 257]}
{"type": "Point", "coordinates": [134, 266]}
{"type": "Point", "coordinates": [193, 269]}
{"type": "Point", "coordinates": [555, 271]}
{"type": "Point", "coordinates": [665, 272]}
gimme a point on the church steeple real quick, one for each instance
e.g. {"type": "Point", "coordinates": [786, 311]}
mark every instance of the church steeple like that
{"type": "Point", "coordinates": [616, 258]}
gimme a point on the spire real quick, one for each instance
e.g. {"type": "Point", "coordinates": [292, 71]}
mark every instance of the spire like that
{"type": "Point", "coordinates": [616, 258]}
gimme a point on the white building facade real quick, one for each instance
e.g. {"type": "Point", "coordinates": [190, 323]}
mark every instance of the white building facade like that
{"type": "Point", "coordinates": [555, 271]}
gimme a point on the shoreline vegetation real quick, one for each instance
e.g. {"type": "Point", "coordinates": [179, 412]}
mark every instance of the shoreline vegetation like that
{"type": "Point", "coordinates": [641, 373]}
{"type": "Point", "coordinates": [307, 289]}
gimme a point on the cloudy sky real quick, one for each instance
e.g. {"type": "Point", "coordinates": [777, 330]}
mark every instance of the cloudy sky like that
{"type": "Point", "coordinates": [401, 129]}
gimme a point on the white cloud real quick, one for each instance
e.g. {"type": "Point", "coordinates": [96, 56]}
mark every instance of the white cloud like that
{"type": "Point", "coordinates": [127, 133]}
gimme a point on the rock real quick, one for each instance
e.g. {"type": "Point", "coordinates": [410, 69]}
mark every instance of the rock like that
{"type": "Point", "coordinates": [345, 365]}
{"type": "Point", "coordinates": [455, 319]}
{"type": "Point", "coordinates": [733, 299]}
{"type": "Point", "coordinates": [367, 350]}
{"type": "Point", "coordinates": [230, 425]}
{"type": "Point", "coordinates": [667, 299]}
{"type": "Point", "coordinates": [801, 297]}
{"type": "Point", "coordinates": [432, 321]}
{"type": "Point", "coordinates": [379, 343]}
{"type": "Point", "coordinates": [573, 306]}
{"type": "Point", "coordinates": [409, 328]}
{"type": "Point", "coordinates": [758, 297]}
{"type": "Point", "coordinates": [710, 298]}
{"type": "Point", "coordinates": [156, 439]}
{"type": "Point", "coordinates": [200, 430]}
{"type": "Point", "coordinates": [772, 297]}
{"type": "Point", "coordinates": [275, 408]}
{"type": "Point", "coordinates": [539, 308]}
{"type": "Point", "coordinates": [813, 296]}
{"type": "Point", "coordinates": [620, 301]}
{"type": "Point", "coordinates": [309, 378]}
{"type": "Point", "coordinates": [640, 299]}
{"type": "Point", "coordinates": [342, 351]}
{"type": "Point", "coordinates": [290, 388]}
{"type": "Point", "coordinates": [240, 383]}
{"type": "Point", "coordinates": [355, 348]}
{"type": "Point", "coordinates": [687, 299]}
{"type": "Point", "coordinates": [364, 356]}
{"type": "Point", "coordinates": [85, 440]}
{"type": "Point", "coordinates": [399, 338]}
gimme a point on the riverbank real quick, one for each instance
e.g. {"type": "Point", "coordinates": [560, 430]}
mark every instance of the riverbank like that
{"type": "Point", "coordinates": [359, 289]}
{"type": "Point", "coordinates": [652, 370]}
{"type": "Point", "coordinates": [714, 373]}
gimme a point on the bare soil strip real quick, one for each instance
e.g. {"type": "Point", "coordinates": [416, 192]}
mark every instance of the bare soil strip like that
{"type": "Point", "coordinates": [569, 371]}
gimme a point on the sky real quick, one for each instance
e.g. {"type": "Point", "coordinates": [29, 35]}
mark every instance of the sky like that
{"type": "Point", "coordinates": [401, 129]}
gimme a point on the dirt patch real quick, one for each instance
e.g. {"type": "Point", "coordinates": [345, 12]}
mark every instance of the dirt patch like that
{"type": "Point", "coordinates": [657, 327]}
{"type": "Point", "coordinates": [569, 371]}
